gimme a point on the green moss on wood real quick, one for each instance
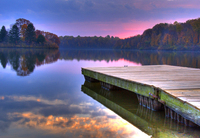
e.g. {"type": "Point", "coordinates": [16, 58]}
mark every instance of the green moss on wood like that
{"type": "Point", "coordinates": [186, 110]}
{"type": "Point", "coordinates": [125, 84]}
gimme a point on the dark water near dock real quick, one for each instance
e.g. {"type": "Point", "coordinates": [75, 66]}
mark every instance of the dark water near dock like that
{"type": "Point", "coordinates": [44, 94]}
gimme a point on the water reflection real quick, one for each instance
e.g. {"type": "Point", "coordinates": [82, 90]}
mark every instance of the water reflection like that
{"type": "Point", "coordinates": [59, 118]}
{"type": "Point", "coordinates": [23, 61]}
{"type": "Point", "coordinates": [125, 104]}
{"type": "Point", "coordinates": [76, 126]}
{"type": "Point", "coordinates": [187, 59]}
{"type": "Point", "coordinates": [48, 102]}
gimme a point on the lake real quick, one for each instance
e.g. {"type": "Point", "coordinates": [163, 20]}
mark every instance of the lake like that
{"type": "Point", "coordinates": [43, 94]}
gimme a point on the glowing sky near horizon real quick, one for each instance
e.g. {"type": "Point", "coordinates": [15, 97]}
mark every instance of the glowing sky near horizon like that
{"type": "Point", "coordinates": [97, 17]}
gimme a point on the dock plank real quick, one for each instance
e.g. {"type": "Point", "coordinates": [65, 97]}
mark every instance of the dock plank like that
{"type": "Point", "coordinates": [163, 76]}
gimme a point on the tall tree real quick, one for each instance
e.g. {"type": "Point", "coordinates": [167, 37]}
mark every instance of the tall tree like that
{"type": "Point", "coordinates": [3, 33]}
{"type": "Point", "coordinates": [14, 34]}
{"type": "Point", "coordinates": [30, 35]}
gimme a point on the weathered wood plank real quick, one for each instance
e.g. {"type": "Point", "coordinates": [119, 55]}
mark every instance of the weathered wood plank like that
{"type": "Point", "coordinates": [185, 93]}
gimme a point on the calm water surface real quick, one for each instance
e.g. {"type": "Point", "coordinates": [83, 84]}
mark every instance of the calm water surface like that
{"type": "Point", "coordinates": [43, 94]}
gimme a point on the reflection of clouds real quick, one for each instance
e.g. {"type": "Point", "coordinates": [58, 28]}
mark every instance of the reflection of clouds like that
{"type": "Point", "coordinates": [77, 126]}
{"type": "Point", "coordinates": [36, 99]}
{"type": "Point", "coordinates": [46, 107]}
{"type": "Point", "coordinates": [81, 106]}
{"type": "Point", "coordinates": [62, 118]}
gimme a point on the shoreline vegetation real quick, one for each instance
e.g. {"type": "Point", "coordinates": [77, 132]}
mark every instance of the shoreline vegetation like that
{"type": "Point", "coordinates": [163, 36]}
{"type": "Point", "coordinates": [22, 34]}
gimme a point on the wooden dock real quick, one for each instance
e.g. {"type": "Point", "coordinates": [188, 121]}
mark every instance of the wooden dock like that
{"type": "Point", "coordinates": [175, 89]}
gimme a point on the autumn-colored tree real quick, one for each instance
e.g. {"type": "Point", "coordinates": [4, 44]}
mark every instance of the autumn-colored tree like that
{"type": "Point", "coordinates": [195, 38]}
{"type": "Point", "coordinates": [170, 40]}
{"type": "Point", "coordinates": [157, 40]}
{"type": "Point", "coordinates": [22, 21]}
{"type": "Point", "coordinates": [52, 37]}
{"type": "Point", "coordinates": [178, 28]}
{"type": "Point", "coordinates": [160, 28]}
{"type": "Point", "coordinates": [165, 39]}
{"type": "Point", "coordinates": [39, 32]}
{"type": "Point", "coordinates": [153, 38]}
{"type": "Point", "coordinates": [196, 27]}
{"type": "Point", "coordinates": [23, 31]}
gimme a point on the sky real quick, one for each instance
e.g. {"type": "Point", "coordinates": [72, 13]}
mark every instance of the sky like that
{"type": "Point", "coordinates": [121, 18]}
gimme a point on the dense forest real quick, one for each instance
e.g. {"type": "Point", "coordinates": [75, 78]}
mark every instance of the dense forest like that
{"type": "Point", "coordinates": [163, 36]}
{"type": "Point", "coordinates": [88, 42]}
{"type": "Point", "coordinates": [23, 34]}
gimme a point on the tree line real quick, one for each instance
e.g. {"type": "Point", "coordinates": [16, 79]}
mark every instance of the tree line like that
{"type": "Point", "coordinates": [88, 42]}
{"type": "Point", "coordinates": [23, 34]}
{"type": "Point", "coordinates": [163, 36]}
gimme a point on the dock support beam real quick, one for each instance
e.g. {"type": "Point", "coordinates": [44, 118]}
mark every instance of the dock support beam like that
{"type": "Point", "coordinates": [150, 103]}
{"type": "Point", "coordinates": [169, 113]}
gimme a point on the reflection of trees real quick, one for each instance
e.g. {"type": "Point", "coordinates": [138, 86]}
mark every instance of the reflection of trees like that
{"type": "Point", "coordinates": [24, 61]}
{"type": "Point", "coordinates": [188, 59]}
{"type": "Point", "coordinates": [3, 59]}
{"type": "Point", "coordinates": [40, 56]}
{"type": "Point", "coordinates": [14, 60]}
